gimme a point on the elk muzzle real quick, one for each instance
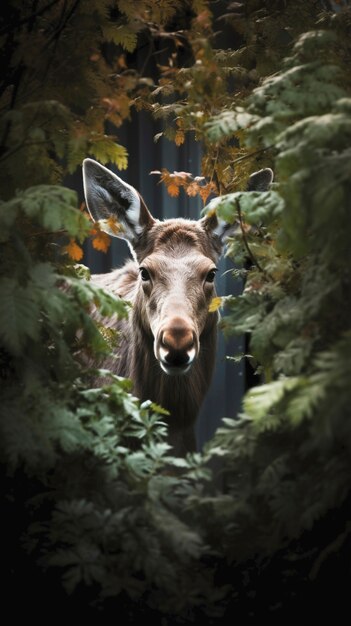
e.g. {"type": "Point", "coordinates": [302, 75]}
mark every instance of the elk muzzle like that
{"type": "Point", "coordinates": [177, 346]}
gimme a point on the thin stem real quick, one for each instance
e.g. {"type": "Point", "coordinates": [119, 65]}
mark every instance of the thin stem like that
{"type": "Point", "coordinates": [63, 21]}
{"type": "Point", "coordinates": [215, 177]}
{"type": "Point", "coordinates": [16, 83]}
{"type": "Point", "coordinates": [252, 154]}
{"type": "Point", "coordinates": [150, 52]}
{"type": "Point", "coordinates": [246, 243]}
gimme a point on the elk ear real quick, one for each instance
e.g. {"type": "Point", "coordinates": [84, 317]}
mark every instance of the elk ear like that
{"type": "Point", "coordinates": [261, 180]}
{"type": "Point", "coordinates": [258, 181]}
{"type": "Point", "coordinates": [108, 196]}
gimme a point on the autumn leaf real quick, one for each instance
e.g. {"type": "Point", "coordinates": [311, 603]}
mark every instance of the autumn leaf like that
{"type": "Point", "coordinates": [193, 189]}
{"type": "Point", "coordinates": [179, 137]}
{"type": "Point", "coordinates": [121, 61]}
{"type": "Point", "coordinates": [114, 225]}
{"type": "Point", "coordinates": [74, 251]}
{"type": "Point", "coordinates": [101, 241]}
{"type": "Point", "coordinates": [165, 176]}
{"type": "Point", "coordinates": [215, 304]}
{"type": "Point", "coordinates": [206, 190]}
{"type": "Point", "coordinates": [204, 19]}
{"type": "Point", "coordinates": [173, 190]}
{"type": "Point", "coordinates": [119, 105]}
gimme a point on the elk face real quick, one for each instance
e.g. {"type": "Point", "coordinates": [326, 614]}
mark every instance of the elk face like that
{"type": "Point", "coordinates": [174, 296]}
{"type": "Point", "coordinates": [177, 264]}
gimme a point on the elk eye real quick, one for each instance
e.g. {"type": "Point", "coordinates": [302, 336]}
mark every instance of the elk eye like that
{"type": "Point", "coordinates": [145, 276]}
{"type": "Point", "coordinates": [211, 276]}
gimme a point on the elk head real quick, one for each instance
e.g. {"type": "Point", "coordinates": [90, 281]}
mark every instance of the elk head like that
{"type": "Point", "coordinates": [177, 265]}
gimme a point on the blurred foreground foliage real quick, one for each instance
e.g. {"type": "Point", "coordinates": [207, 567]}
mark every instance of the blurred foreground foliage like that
{"type": "Point", "coordinates": [98, 516]}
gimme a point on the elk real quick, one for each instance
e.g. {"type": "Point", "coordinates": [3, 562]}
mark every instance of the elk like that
{"type": "Point", "coordinates": [167, 346]}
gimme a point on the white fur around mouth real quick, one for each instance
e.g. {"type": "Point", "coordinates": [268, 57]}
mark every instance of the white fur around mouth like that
{"type": "Point", "coordinates": [176, 370]}
{"type": "Point", "coordinates": [191, 355]}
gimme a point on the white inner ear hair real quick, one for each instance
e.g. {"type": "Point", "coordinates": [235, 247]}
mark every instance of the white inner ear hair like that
{"type": "Point", "coordinates": [133, 212]}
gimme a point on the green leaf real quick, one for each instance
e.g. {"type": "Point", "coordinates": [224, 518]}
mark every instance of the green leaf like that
{"type": "Point", "coordinates": [256, 207]}
{"type": "Point", "coordinates": [121, 35]}
{"type": "Point", "coordinates": [52, 206]}
{"type": "Point", "coordinates": [43, 275]}
{"type": "Point", "coordinates": [19, 316]}
{"type": "Point", "coordinates": [88, 293]}
{"type": "Point", "coordinates": [259, 401]}
{"type": "Point", "coordinates": [227, 123]}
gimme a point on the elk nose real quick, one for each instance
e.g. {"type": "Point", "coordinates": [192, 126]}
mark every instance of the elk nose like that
{"type": "Point", "coordinates": [177, 346]}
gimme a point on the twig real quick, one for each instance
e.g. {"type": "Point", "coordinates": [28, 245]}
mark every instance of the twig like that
{"type": "Point", "coordinates": [63, 21]}
{"type": "Point", "coordinates": [18, 74]}
{"type": "Point", "coordinates": [246, 243]}
{"type": "Point", "coordinates": [252, 154]}
{"type": "Point", "coordinates": [214, 177]}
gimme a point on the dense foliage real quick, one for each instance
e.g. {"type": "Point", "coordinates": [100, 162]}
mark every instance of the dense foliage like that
{"type": "Point", "coordinates": [98, 515]}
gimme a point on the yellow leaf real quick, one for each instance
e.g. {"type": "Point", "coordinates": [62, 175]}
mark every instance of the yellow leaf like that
{"type": "Point", "coordinates": [215, 304]}
{"type": "Point", "coordinates": [74, 251]}
{"type": "Point", "coordinates": [179, 137]}
{"type": "Point", "coordinates": [105, 150]}
{"type": "Point", "coordinates": [101, 241]}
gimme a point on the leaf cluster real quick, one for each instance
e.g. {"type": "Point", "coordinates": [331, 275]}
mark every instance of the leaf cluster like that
{"type": "Point", "coordinates": [290, 446]}
{"type": "Point", "coordinates": [193, 186]}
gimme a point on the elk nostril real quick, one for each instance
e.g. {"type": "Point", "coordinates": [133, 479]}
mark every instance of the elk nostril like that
{"type": "Point", "coordinates": [177, 360]}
